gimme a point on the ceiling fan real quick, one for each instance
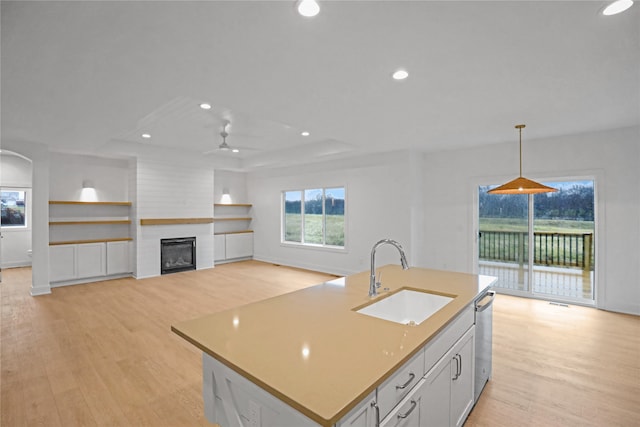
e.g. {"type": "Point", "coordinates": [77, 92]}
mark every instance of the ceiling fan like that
{"type": "Point", "coordinates": [224, 146]}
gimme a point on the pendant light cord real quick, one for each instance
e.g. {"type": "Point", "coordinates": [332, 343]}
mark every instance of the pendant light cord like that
{"type": "Point", "coordinates": [519, 127]}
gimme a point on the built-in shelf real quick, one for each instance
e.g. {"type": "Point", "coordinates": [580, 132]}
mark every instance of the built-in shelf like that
{"type": "Point", "coordinates": [172, 221]}
{"type": "Point", "coordinates": [90, 222]}
{"type": "Point", "coordinates": [242, 205]}
{"type": "Point", "coordinates": [73, 202]}
{"type": "Point", "coordinates": [232, 219]}
{"type": "Point", "coordinates": [79, 222]}
{"type": "Point", "coordinates": [78, 242]}
{"type": "Point", "coordinates": [234, 232]}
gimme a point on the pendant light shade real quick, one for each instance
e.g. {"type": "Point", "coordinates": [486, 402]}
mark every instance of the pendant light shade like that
{"type": "Point", "coordinates": [521, 185]}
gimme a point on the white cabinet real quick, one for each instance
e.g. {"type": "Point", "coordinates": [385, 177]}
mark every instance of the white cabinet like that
{"type": "Point", "coordinates": [62, 262]}
{"type": "Point", "coordinates": [449, 385]}
{"type": "Point", "coordinates": [396, 387]}
{"type": "Point", "coordinates": [410, 411]}
{"type": "Point", "coordinates": [91, 260]}
{"type": "Point", "coordinates": [232, 246]}
{"type": "Point", "coordinates": [364, 415]}
{"type": "Point", "coordinates": [85, 262]}
{"type": "Point", "coordinates": [239, 245]}
{"type": "Point", "coordinates": [118, 258]}
{"type": "Point", "coordinates": [219, 247]}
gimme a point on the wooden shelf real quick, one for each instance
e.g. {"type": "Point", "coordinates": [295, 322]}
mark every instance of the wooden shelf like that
{"type": "Point", "coordinates": [72, 202]}
{"type": "Point", "coordinates": [75, 242]}
{"type": "Point", "coordinates": [233, 232]}
{"type": "Point", "coordinates": [172, 221]}
{"type": "Point", "coordinates": [97, 222]}
{"type": "Point", "coordinates": [232, 219]}
{"type": "Point", "coordinates": [243, 205]}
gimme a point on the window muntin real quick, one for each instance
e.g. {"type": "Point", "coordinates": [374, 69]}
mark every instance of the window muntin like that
{"type": "Point", "coordinates": [14, 208]}
{"type": "Point", "coordinates": [322, 220]}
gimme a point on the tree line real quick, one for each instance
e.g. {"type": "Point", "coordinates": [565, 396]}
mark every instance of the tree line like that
{"type": "Point", "coordinates": [332, 206]}
{"type": "Point", "coordinates": [572, 203]}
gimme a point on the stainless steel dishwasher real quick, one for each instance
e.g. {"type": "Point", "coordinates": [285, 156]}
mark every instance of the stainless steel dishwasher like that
{"type": "Point", "coordinates": [484, 331]}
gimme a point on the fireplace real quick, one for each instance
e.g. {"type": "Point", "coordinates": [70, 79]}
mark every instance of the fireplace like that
{"type": "Point", "coordinates": [177, 255]}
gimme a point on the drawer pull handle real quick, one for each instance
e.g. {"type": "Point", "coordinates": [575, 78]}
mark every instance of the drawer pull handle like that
{"type": "Point", "coordinates": [374, 405]}
{"type": "Point", "coordinates": [406, 414]}
{"type": "Point", "coordinates": [403, 386]}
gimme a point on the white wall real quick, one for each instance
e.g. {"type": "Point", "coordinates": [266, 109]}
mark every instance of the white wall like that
{"type": "Point", "coordinates": [451, 180]}
{"type": "Point", "coordinates": [16, 173]}
{"type": "Point", "coordinates": [234, 182]}
{"type": "Point", "coordinates": [39, 156]}
{"type": "Point", "coordinates": [165, 189]}
{"type": "Point", "coordinates": [379, 204]}
{"type": "Point", "coordinates": [68, 171]}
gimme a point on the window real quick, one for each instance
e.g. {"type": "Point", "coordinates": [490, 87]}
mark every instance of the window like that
{"type": "Point", "coordinates": [314, 217]}
{"type": "Point", "coordinates": [13, 208]}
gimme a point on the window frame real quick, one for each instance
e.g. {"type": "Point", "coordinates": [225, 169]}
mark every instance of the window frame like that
{"type": "Point", "coordinates": [302, 244]}
{"type": "Point", "coordinates": [27, 207]}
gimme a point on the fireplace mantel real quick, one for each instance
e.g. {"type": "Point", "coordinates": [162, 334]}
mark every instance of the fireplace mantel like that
{"type": "Point", "coordinates": [174, 221]}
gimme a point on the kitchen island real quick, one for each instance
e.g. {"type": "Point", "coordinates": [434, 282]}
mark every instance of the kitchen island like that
{"type": "Point", "coordinates": [309, 358]}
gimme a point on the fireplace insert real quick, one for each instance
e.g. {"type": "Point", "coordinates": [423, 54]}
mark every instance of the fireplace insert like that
{"type": "Point", "coordinates": [177, 255]}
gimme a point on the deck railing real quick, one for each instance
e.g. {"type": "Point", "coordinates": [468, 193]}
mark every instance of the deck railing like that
{"type": "Point", "coordinates": [549, 249]}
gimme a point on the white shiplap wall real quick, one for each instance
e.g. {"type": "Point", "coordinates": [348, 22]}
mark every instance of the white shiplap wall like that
{"type": "Point", "coordinates": [167, 190]}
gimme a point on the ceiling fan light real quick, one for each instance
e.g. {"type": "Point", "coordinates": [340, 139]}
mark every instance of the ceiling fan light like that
{"type": "Point", "coordinates": [400, 74]}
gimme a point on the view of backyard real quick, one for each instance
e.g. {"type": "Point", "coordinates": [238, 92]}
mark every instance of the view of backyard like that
{"type": "Point", "coordinates": [322, 221]}
{"type": "Point", "coordinates": [562, 253]}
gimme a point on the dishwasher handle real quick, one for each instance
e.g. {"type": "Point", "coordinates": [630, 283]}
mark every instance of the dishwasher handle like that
{"type": "Point", "coordinates": [486, 301]}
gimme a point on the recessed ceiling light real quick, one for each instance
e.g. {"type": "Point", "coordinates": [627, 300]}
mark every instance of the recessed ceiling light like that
{"type": "Point", "coordinates": [146, 135]}
{"type": "Point", "coordinates": [205, 106]}
{"type": "Point", "coordinates": [617, 6]}
{"type": "Point", "coordinates": [305, 133]}
{"type": "Point", "coordinates": [235, 150]}
{"type": "Point", "coordinates": [400, 75]}
{"type": "Point", "coordinates": [308, 8]}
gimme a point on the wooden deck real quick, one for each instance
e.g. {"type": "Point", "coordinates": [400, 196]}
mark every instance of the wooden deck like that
{"type": "Point", "coordinates": [550, 282]}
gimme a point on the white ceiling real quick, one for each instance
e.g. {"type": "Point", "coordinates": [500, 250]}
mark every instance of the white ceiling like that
{"type": "Point", "coordinates": [93, 76]}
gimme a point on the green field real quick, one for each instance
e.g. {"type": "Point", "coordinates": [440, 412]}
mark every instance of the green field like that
{"type": "Point", "coordinates": [313, 229]}
{"type": "Point", "coordinates": [540, 225]}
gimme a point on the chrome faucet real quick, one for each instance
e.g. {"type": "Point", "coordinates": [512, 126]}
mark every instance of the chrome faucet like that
{"type": "Point", "coordinates": [403, 260]}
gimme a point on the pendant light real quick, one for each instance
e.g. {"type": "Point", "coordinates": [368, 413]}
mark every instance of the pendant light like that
{"type": "Point", "coordinates": [521, 185]}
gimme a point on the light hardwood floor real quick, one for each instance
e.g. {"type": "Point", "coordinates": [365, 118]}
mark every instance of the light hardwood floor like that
{"type": "Point", "coordinates": [103, 353]}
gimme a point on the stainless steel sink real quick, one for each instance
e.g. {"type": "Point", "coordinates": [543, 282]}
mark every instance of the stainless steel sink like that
{"type": "Point", "coordinates": [407, 307]}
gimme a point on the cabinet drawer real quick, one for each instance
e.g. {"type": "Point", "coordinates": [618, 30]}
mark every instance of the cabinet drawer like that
{"type": "Point", "coordinates": [400, 383]}
{"type": "Point", "coordinates": [448, 337]}
{"type": "Point", "coordinates": [410, 411]}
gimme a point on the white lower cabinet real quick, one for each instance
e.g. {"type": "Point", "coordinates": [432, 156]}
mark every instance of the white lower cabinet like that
{"type": "Point", "coordinates": [75, 263]}
{"type": "Point", "coordinates": [118, 258]}
{"type": "Point", "coordinates": [410, 411]}
{"type": "Point", "coordinates": [449, 385]}
{"type": "Point", "coordinates": [91, 260]}
{"type": "Point", "coordinates": [219, 247]}
{"type": "Point", "coordinates": [62, 262]}
{"type": "Point", "coordinates": [364, 415]}
{"type": "Point", "coordinates": [232, 246]}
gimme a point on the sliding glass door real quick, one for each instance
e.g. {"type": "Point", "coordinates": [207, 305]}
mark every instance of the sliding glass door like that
{"type": "Point", "coordinates": [540, 245]}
